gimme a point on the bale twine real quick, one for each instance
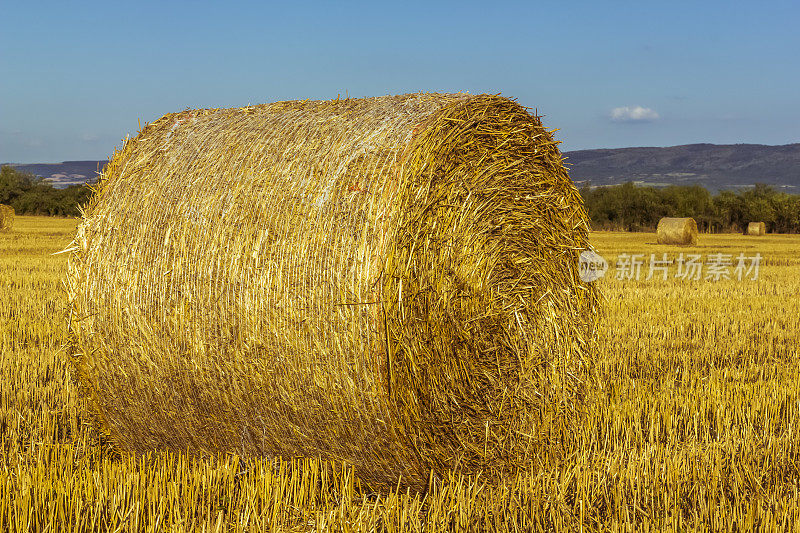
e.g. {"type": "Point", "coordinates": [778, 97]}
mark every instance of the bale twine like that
{"type": "Point", "coordinates": [676, 231]}
{"type": "Point", "coordinates": [756, 228]}
{"type": "Point", "coordinates": [389, 282]}
{"type": "Point", "coordinates": [6, 217]}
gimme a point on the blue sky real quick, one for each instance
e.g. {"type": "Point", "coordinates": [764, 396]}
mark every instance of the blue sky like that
{"type": "Point", "coordinates": [75, 78]}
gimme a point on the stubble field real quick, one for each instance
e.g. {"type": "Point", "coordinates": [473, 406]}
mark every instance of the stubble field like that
{"type": "Point", "coordinates": [692, 422]}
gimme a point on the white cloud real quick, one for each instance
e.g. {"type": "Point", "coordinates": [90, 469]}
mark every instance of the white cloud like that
{"type": "Point", "coordinates": [633, 114]}
{"type": "Point", "coordinates": [89, 137]}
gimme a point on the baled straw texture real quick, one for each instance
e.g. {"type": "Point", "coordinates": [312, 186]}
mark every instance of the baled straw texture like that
{"type": "Point", "coordinates": [676, 231]}
{"type": "Point", "coordinates": [388, 282]}
{"type": "Point", "coordinates": [756, 228]}
{"type": "Point", "coordinates": [6, 217]}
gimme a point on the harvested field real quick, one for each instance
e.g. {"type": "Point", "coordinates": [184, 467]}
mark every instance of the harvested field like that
{"type": "Point", "coordinates": [695, 424]}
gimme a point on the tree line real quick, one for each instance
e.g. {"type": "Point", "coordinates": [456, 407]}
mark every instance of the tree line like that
{"type": "Point", "coordinates": [31, 195]}
{"type": "Point", "coordinates": [635, 208]}
{"type": "Point", "coordinates": [624, 207]}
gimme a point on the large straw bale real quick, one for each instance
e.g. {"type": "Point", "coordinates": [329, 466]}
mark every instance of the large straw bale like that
{"type": "Point", "coordinates": [756, 228]}
{"type": "Point", "coordinates": [676, 231]}
{"type": "Point", "coordinates": [389, 282]}
{"type": "Point", "coordinates": [6, 217]}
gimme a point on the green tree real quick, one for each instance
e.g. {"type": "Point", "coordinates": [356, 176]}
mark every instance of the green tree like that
{"type": "Point", "coordinates": [630, 207]}
{"type": "Point", "coordinates": [13, 183]}
{"type": "Point", "coordinates": [29, 195]}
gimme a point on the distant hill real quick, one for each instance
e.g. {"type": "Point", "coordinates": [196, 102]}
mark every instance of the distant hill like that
{"type": "Point", "coordinates": [66, 173]}
{"type": "Point", "coordinates": [714, 166]}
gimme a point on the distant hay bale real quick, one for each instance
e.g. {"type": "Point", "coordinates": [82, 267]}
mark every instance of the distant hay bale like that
{"type": "Point", "coordinates": [756, 228]}
{"type": "Point", "coordinates": [6, 217]}
{"type": "Point", "coordinates": [676, 231]}
{"type": "Point", "coordinates": [389, 282]}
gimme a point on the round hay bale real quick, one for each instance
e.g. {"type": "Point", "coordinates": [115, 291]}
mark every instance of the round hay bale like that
{"type": "Point", "coordinates": [677, 231]}
{"type": "Point", "coordinates": [6, 217]}
{"type": "Point", "coordinates": [390, 282]}
{"type": "Point", "coordinates": [756, 228]}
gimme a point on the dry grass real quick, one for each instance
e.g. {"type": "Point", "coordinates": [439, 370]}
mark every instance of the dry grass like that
{"type": "Point", "coordinates": [695, 424]}
{"type": "Point", "coordinates": [387, 282]}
